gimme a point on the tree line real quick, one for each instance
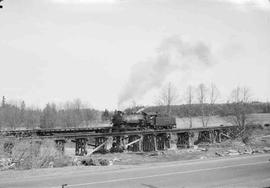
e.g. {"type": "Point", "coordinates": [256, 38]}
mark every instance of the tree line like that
{"type": "Point", "coordinates": [71, 114]}
{"type": "Point", "coordinates": [201, 102]}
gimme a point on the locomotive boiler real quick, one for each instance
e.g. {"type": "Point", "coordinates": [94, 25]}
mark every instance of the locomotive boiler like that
{"type": "Point", "coordinates": [142, 121]}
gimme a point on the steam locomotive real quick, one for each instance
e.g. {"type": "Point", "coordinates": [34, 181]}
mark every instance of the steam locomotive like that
{"type": "Point", "coordinates": [142, 121]}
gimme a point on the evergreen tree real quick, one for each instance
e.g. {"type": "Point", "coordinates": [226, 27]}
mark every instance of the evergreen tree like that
{"type": "Point", "coordinates": [105, 115]}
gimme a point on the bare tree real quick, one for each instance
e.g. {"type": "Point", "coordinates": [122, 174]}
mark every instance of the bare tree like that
{"type": "Point", "coordinates": [239, 106]}
{"type": "Point", "coordinates": [214, 95]}
{"type": "Point", "coordinates": [202, 98]}
{"type": "Point", "coordinates": [168, 96]}
{"type": "Point", "coordinates": [207, 97]}
{"type": "Point", "coordinates": [22, 112]}
{"type": "Point", "coordinates": [189, 101]}
{"type": "Point", "coordinates": [49, 116]}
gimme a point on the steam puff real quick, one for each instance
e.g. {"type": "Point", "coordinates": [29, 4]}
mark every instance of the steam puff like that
{"type": "Point", "coordinates": [173, 54]}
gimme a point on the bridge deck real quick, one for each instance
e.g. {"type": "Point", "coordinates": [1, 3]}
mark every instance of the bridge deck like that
{"type": "Point", "coordinates": [91, 132]}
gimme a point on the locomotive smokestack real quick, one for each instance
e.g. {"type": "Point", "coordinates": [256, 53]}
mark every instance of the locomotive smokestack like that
{"type": "Point", "coordinates": [173, 54]}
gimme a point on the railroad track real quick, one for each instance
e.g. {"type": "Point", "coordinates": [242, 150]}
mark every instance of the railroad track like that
{"type": "Point", "coordinates": [99, 132]}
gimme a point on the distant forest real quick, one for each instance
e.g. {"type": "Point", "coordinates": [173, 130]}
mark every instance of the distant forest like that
{"type": "Point", "coordinates": [76, 114]}
{"type": "Point", "coordinates": [194, 110]}
{"type": "Point", "coordinates": [70, 114]}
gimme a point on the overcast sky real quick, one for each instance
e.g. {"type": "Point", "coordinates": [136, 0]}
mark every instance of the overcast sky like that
{"type": "Point", "coordinates": [58, 50]}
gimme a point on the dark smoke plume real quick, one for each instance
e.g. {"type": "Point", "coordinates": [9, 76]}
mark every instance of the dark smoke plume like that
{"type": "Point", "coordinates": [174, 54]}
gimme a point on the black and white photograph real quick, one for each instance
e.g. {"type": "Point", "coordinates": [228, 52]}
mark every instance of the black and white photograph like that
{"type": "Point", "coordinates": [134, 93]}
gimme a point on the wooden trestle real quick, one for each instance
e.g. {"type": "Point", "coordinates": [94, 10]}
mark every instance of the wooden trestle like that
{"type": "Point", "coordinates": [146, 141]}
{"type": "Point", "coordinates": [137, 141]}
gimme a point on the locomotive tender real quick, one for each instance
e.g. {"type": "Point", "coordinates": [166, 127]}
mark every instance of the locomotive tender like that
{"type": "Point", "coordinates": [142, 121]}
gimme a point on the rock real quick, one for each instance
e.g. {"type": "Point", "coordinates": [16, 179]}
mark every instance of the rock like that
{"type": "Point", "coordinates": [162, 153]}
{"type": "Point", "coordinates": [96, 162]}
{"type": "Point", "coordinates": [219, 154]}
{"type": "Point", "coordinates": [258, 151]}
{"type": "Point", "coordinates": [76, 161]}
{"type": "Point", "coordinates": [190, 150]}
{"type": "Point", "coordinates": [88, 161]}
{"type": "Point", "coordinates": [248, 152]}
{"type": "Point", "coordinates": [233, 154]}
{"type": "Point", "coordinates": [266, 149]}
{"type": "Point", "coordinates": [153, 154]}
{"type": "Point", "coordinates": [202, 149]}
{"type": "Point", "coordinates": [232, 151]}
{"type": "Point", "coordinates": [266, 136]}
{"type": "Point", "coordinates": [195, 147]}
{"type": "Point", "coordinates": [116, 159]}
{"type": "Point", "coordinates": [104, 162]}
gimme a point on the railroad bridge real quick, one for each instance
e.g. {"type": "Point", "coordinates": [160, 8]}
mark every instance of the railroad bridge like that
{"type": "Point", "coordinates": [104, 140]}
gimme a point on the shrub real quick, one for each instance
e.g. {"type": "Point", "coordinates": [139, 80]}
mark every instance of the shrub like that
{"type": "Point", "coordinates": [38, 154]}
{"type": "Point", "coordinates": [6, 146]}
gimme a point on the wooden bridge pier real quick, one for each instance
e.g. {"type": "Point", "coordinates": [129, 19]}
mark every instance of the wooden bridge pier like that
{"type": "Point", "coordinates": [193, 138]}
{"type": "Point", "coordinates": [60, 145]}
{"type": "Point", "coordinates": [225, 134]}
{"type": "Point", "coordinates": [163, 141]}
{"type": "Point", "coordinates": [80, 146]}
{"type": "Point", "coordinates": [100, 141]}
{"type": "Point", "coordinates": [204, 136]}
{"type": "Point", "coordinates": [183, 140]}
{"type": "Point", "coordinates": [216, 136]}
{"type": "Point", "coordinates": [149, 142]}
{"type": "Point", "coordinates": [134, 143]}
{"type": "Point", "coordinates": [119, 143]}
{"type": "Point", "coordinates": [109, 143]}
{"type": "Point", "coordinates": [173, 141]}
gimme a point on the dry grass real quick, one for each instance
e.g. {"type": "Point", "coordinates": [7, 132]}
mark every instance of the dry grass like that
{"type": "Point", "coordinates": [28, 154]}
{"type": "Point", "coordinates": [3, 149]}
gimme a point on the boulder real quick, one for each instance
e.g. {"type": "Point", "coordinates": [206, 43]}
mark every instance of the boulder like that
{"type": "Point", "coordinates": [96, 162]}
{"type": "Point", "coordinates": [104, 162]}
{"type": "Point", "coordinates": [232, 152]}
{"type": "Point", "coordinates": [219, 154]}
{"type": "Point", "coordinates": [202, 149]}
{"type": "Point", "coordinates": [76, 161]}
{"type": "Point", "coordinates": [266, 149]}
